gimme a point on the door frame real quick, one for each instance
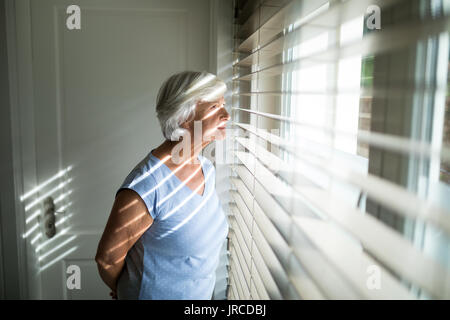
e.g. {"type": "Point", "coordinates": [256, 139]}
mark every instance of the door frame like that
{"type": "Point", "coordinates": [24, 281]}
{"type": "Point", "coordinates": [18, 43]}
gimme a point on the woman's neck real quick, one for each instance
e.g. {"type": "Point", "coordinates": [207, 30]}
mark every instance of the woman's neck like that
{"type": "Point", "coordinates": [176, 153]}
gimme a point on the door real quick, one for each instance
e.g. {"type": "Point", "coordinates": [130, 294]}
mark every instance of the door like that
{"type": "Point", "coordinates": [94, 94]}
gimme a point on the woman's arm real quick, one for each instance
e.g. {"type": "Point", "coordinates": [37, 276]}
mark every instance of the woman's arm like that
{"type": "Point", "coordinates": [110, 274]}
{"type": "Point", "coordinates": [128, 220]}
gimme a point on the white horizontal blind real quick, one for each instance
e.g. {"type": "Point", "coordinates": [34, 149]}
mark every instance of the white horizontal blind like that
{"type": "Point", "coordinates": [340, 150]}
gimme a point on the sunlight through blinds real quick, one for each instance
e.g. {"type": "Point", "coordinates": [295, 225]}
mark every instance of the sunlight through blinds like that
{"type": "Point", "coordinates": [341, 150]}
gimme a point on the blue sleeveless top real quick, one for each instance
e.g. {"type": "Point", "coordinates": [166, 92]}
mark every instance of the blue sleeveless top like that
{"type": "Point", "coordinates": [177, 256]}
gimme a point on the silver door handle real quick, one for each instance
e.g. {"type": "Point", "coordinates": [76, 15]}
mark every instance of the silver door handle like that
{"type": "Point", "coordinates": [49, 217]}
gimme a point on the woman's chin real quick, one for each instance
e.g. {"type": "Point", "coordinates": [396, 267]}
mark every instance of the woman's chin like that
{"type": "Point", "coordinates": [220, 134]}
{"type": "Point", "coordinates": [217, 134]}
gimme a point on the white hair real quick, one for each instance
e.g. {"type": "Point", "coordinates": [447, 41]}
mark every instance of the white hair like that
{"type": "Point", "coordinates": [178, 96]}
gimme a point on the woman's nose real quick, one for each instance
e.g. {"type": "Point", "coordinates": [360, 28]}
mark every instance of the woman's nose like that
{"type": "Point", "coordinates": [226, 115]}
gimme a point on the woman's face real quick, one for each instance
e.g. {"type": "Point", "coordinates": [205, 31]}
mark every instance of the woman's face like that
{"type": "Point", "coordinates": [213, 117]}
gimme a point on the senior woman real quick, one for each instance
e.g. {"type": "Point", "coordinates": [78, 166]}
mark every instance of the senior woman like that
{"type": "Point", "coordinates": [166, 227]}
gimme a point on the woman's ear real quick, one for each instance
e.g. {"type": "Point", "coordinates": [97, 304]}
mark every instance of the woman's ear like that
{"type": "Point", "coordinates": [188, 123]}
{"type": "Point", "coordinates": [185, 125]}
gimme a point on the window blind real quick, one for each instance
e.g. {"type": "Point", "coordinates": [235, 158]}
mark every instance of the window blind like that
{"type": "Point", "coordinates": [339, 187]}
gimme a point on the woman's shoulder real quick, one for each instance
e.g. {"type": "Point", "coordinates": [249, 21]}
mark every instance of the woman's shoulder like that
{"type": "Point", "coordinates": [144, 173]}
{"type": "Point", "coordinates": [143, 181]}
{"type": "Point", "coordinates": [149, 180]}
{"type": "Point", "coordinates": [208, 167]}
{"type": "Point", "coordinates": [207, 162]}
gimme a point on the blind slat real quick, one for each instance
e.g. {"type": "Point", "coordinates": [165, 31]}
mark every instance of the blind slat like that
{"type": "Point", "coordinates": [350, 259]}
{"type": "Point", "coordinates": [293, 14]}
{"type": "Point", "coordinates": [331, 284]}
{"type": "Point", "coordinates": [236, 269]}
{"type": "Point", "coordinates": [385, 192]}
{"type": "Point", "coordinates": [277, 46]}
{"type": "Point", "coordinates": [245, 249]}
{"type": "Point", "coordinates": [394, 293]}
{"type": "Point", "coordinates": [236, 287]}
{"type": "Point", "coordinates": [376, 43]}
{"type": "Point", "coordinates": [299, 226]}
{"type": "Point", "coordinates": [381, 140]}
{"type": "Point", "coordinates": [272, 26]}
{"type": "Point", "coordinates": [278, 245]}
{"type": "Point", "coordinates": [269, 255]}
{"type": "Point", "coordinates": [301, 280]}
{"type": "Point", "coordinates": [246, 233]}
{"type": "Point", "coordinates": [260, 265]}
{"type": "Point", "coordinates": [276, 213]}
{"type": "Point", "coordinates": [245, 268]}
{"type": "Point", "coordinates": [258, 284]}
{"type": "Point", "coordinates": [383, 242]}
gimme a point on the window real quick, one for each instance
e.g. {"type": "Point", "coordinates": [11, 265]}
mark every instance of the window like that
{"type": "Point", "coordinates": [341, 158]}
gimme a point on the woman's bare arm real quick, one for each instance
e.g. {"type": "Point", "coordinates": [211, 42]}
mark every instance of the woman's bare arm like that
{"type": "Point", "coordinates": [128, 220]}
